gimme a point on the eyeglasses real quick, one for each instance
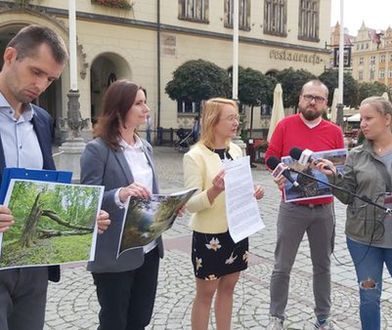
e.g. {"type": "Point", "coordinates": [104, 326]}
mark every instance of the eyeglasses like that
{"type": "Point", "coordinates": [233, 118]}
{"type": "Point", "coordinates": [310, 98]}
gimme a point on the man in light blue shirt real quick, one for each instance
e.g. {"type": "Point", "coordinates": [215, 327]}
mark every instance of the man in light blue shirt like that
{"type": "Point", "coordinates": [33, 59]}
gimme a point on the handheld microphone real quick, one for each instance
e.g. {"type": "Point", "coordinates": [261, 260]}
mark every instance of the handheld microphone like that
{"type": "Point", "coordinates": [280, 169]}
{"type": "Point", "coordinates": [304, 157]}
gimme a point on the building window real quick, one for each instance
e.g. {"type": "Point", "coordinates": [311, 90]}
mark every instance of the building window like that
{"type": "Point", "coordinates": [381, 74]}
{"type": "Point", "coordinates": [390, 58]}
{"type": "Point", "coordinates": [382, 58]}
{"type": "Point", "coordinates": [367, 46]}
{"type": "Point", "coordinates": [390, 74]}
{"type": "Point", "coordinates": [275, 17]}
{"type": "Point", "coordinates": [309, 17]}
{"type": "Point", "coordinates": [243, 12]}
{"type": "Point", "coordinates": [360, 75]}
{"type": "Point", "coordinates": [187, 106]}
{"type": "Point", "coordinates": [361, 60]}
{"type": "Point", "coordinates": [193, 10]}
{"type": "Point", "coordinates": [372, 59]}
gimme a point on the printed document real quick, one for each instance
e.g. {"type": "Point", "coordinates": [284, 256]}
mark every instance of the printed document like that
{"type": "Point", "coordinates": [242, 211]}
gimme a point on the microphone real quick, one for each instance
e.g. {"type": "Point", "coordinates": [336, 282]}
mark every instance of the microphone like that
{"type": "Point", "coordinates": [280, 169]}
{"type": "Point", "coordinates": [304, 157]}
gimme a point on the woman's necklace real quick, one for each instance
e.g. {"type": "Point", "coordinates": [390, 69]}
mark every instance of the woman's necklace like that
{"type": "Point", "coordinates": [383, 150]}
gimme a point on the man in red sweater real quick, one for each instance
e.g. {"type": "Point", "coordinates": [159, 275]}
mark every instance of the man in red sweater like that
{"type": "Point", "coordinates": [305, 130]}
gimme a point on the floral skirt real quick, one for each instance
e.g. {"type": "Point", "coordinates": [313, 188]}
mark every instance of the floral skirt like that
{"type": "Point", "coordinates": [216, 255]}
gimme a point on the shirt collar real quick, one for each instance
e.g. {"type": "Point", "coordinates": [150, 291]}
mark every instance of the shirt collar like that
{"type": "Point", "coordinates": [311, 123]}
{"type": "Point", "coordinates": [138, 144]}
{"type": "Point", "coordinates": [27, 114]}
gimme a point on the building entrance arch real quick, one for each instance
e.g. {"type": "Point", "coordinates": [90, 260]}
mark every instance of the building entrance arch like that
{"type": "Point", "coordinates": [105, 69]}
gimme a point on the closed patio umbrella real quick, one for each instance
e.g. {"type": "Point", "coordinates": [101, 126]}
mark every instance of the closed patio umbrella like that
{"type": "Point", "coordinates": [334, 111]}
{"type": "Point", "coordinates": [277, 112]}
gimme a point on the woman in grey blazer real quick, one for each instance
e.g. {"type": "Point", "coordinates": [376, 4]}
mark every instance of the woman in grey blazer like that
{"type": "Point", "coordinates": [121, 161]}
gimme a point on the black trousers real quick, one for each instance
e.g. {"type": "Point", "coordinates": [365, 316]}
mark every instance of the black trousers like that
{"type": "Point", "coordinates": [127, 298]}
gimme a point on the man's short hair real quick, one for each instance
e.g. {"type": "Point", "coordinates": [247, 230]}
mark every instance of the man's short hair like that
{"type": "Point", "coordinates": [28, 39]}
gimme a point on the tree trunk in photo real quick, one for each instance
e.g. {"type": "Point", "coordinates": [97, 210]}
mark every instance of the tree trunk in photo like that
{"type": "Point", "coordinates": [30, 226]}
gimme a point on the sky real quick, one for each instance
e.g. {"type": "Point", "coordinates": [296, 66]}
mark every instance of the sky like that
{"type": "Point", "coordinates": [377, 14]}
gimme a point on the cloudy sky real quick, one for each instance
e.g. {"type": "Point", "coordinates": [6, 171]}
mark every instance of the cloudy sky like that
{"type": "Point", "coordinates": [376, 14]}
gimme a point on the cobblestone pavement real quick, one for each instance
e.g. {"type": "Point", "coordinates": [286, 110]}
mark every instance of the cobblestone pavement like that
{"type": "Point", "coordinates": [72, 303]}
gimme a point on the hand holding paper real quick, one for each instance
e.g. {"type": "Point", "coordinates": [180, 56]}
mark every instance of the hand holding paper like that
{"type": "Point", "coordinates": [6, 218]}
{"type": "Point", "coordinates": [103, 221]}
{"type": "Point", "coordinates": [134, 190]}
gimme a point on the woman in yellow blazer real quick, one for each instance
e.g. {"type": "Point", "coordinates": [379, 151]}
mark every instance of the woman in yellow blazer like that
{"type": "Point", "coordinates": [217, 260]}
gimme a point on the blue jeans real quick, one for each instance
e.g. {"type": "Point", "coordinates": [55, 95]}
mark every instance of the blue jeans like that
{"type": "Point", "coordinates": [369, 264]}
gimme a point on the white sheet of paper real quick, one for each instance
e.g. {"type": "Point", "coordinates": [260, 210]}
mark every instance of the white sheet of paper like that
{"type": "Point", "coordinates": [242, 212]}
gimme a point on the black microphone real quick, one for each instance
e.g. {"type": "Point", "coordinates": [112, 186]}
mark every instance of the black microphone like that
{"type": "Point", "coordinates": [279, 168]}
{"type": "Point", "coordinates": [305, 156]}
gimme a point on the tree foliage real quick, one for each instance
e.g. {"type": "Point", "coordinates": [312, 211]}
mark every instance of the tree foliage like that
{"type": "Point", "coordinates": [254, 88]}
{"type": "Point", "coordinates": [292, 82]}
{"type": "Point", "coordinates": [350, 86]}
{"type": "Point", "coordinates": [367, 89]}
{"type": "Point", "coordinates": [198, 80]}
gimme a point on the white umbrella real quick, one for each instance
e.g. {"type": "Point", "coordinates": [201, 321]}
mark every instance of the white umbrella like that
{"type": "Point", "coordinates": [334, 111]}
{"type": "Point", "coordinates": [385, 96]}
{"type": "Point", "coordinates": [354, 118]}
{"type": "Point", "coordinates": [277, 112]}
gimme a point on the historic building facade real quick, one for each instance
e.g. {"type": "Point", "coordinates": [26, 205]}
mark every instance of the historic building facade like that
{"type": "Point", "coordinates": [372, 55]}
{"type": "Point", "coordinates": [146, 40]}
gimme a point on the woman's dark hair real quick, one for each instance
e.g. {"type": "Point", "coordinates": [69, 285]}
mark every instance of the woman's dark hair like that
{"type": "Point", "coordinates": [117, 100]}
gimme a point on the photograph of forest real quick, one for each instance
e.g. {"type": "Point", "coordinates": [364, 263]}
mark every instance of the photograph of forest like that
{"type": "Point", "coordinates": [146, 220]}
{"type": "Point", "coordinates": [54, 223]}
{"type": "Point", "coordinates": [308, 187]}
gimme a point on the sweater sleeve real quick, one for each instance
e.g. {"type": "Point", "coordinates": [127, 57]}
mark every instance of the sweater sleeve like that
{"type": "Point", "coordinates": [194, 175]}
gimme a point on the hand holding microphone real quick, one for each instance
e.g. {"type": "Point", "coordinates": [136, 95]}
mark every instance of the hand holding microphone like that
{"type": "Point", "coordinates": [326, 166]}
{"type": "Point", "coordinates": [305, 157]}
{"type": "Point", "coordinates": [280, 169]}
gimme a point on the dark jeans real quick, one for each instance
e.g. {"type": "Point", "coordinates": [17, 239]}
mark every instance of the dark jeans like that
{"type": "Point", "coordinates": [369, 265]}
{"type": "Point", "coordinates": [127, 298]}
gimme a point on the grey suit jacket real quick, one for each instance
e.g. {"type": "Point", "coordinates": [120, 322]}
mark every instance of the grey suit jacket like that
{"type": "Point", "coordinates": [100, 165]}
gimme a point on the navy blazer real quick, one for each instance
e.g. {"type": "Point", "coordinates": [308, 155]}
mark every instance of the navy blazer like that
{"type": "Point", "coordinates": [43, 127]}
{"type": "Point", "coordinates": [101, 165]}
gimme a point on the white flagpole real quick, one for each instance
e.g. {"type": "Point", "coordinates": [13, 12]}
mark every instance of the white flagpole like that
{"type": "Point", "coordinates": [235, 51]}
{"type": "Point", "coordinates": [341, 53]}
{"type": "Point", "coordinates": [72, 46]}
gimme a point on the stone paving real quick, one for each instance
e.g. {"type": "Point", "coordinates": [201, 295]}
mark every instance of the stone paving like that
{"type": "Point", "coordinates": [72, 303]}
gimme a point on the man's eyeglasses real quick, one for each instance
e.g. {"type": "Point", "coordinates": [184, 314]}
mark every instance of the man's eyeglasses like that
{"type": "Point", "coordinates": [310, 98]}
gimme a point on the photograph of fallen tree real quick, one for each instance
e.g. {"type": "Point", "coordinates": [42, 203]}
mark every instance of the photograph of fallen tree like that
{"type": "Point", "coordinates": [54, 223]}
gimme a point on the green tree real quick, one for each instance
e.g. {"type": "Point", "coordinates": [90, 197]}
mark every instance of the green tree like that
{"type": "Point", "coordinates": [350, 86]}
{"type": "Point", "coordinates": [375, 88]}
{"type": "Point", "coordinates": [254, 89]}
{"type": "Point", "coordinates": [292, 82]}
{"type": "Point", "coordinates": [198, 80]}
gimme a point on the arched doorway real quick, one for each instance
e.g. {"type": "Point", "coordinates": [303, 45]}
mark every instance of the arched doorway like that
{"type": "Point", "coordinates": [51, 99]}
{"type": "Point", "coordinates": [105, 69]}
